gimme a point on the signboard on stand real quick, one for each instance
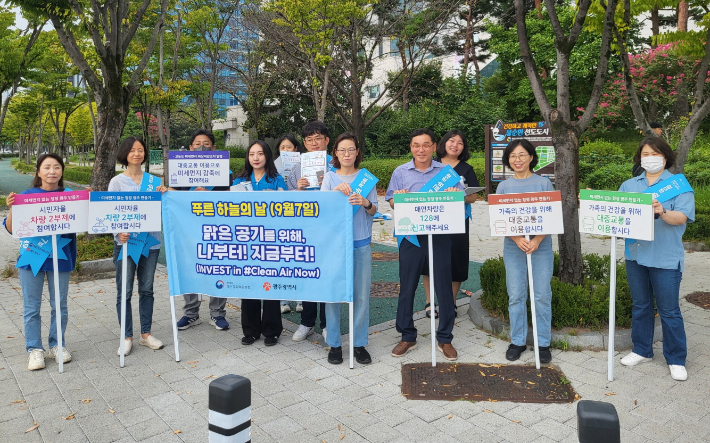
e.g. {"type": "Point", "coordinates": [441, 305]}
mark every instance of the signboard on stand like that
{"type": "Point", "coordinates": [620, 214]}
{"type": "Point", "coordinates": [198, 168]}
{"type": "Point", "coordinates": [50, 213]}
{"type": "Point", "coordinates": [529, 213]}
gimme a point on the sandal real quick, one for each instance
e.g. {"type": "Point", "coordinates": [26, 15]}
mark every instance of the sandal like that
{"type": "Point", "coordinates": [428, 311]}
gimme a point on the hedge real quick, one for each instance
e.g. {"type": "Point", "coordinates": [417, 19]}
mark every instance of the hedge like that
{"type": "Point", "coordinates": [609, 177]}
{"type": "Point", "coordinates": [383, 168]}
{"type": "Point", "coordinates": [601, 147]}
{"type": "Point", "coordinates": [585, 305]}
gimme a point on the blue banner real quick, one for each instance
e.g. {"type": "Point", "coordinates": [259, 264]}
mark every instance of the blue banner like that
{"type": "Point", "coordinates": [150, 182]}
{"type": "Point", "coordinates": [363, 184]}
{"type": "Point", "coordinates": [34, 251]}
{"type": "Point", "coordinates": [669, 188]}
{"type": "Point", "coordinates": [294, 245]}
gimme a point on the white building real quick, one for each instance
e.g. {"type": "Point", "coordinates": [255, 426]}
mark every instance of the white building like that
{"type": "Point", "coordinates": [233, 127]}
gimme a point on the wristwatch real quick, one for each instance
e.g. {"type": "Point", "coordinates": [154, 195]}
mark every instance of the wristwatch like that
{"type": "Point", "coordinates": [368, 207]}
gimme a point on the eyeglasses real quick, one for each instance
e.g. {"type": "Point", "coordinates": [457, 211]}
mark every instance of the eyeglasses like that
{"type": "Point", "coordinates": [346, 151]}
{"type": "Point", "coordinates": [422, 146]}
{"type": "Point", "coordinates": [521, 157]}
{"type": "Point", "coordinates": [311, 140]}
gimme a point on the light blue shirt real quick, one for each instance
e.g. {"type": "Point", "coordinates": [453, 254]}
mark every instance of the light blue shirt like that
{"type": "Point", "coordinates": [534, 183]}
{"type": "Point", "coordinates": [362, 222]}
{"type": "Point", "coordinates": [266, 183]}
{"type": "Point", "coordinates": [666, 250]}
{"type": "Point", "coordinates": [408, 177]}
{"type": "Point", "coordinates": [123, 183]}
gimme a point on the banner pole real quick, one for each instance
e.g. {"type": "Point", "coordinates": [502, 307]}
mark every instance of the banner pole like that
{"type": "Point", "coordinates": [124, 283]}
{"type": "Point", "coordinates": [612, 309]}
{"type": "Point", "coordinates": [532, 308]}
{"type": "Point", "coordinates": [352, 336]}
{"type": "Point", "coordinates": [431, 300]}
{"type": "Point", "coordinates": [57, 304]}
{"type": "Point", "coordinates": [175, 330]}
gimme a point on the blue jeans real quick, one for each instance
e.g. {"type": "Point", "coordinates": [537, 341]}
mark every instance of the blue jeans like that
{"type": "Point", "coordinates": [145, 273]}
{"type": "Point", "coordinates": [663, 285]}
{"type": "Point", "coordinates": [362, 276]}
{"type": "Point", "coordinates": [516, 278]}
{"type": "Point", "coordinates": [32, 299]}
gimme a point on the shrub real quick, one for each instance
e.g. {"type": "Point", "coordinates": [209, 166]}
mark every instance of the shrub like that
{"type": "Point", "coordinates": [236, 165]}
{"type": "Point", "coordinates": [698, 173]}
{"type": "Point", "coordinates": [23, 167]}
{"type": "Point", "coordinates": [609, 177]}
{"type": "Point", "coordinates": [383, 169]}
{"type": "Point", "coordinates": [583, 305]}
{"type": "Point", "coordinates": [100, 246]}
{"type": "Point", "coordinates": [237, 152]}
{"type": "Point", "coordinates": [601, 148]}
{"type": "Point", "coordinates": [699, 230]}
{"type": "Point", "coordinates": [702, 200]}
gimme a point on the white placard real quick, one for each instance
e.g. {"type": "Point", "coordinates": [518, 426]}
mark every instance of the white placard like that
{"type": "Point", "coordinates": [620, 214]}
{"type": "Point", "coordinates": [529, 213]}
{"type": "Point", "coordinates": [198, 168]}
{"type": "Point", "coordinates": [242, 187]}
{"type": "Point", "coordinates": [286, 162]}
{"type": "Point", "coordinates": [311, 163]}
{"type": "Point", "coordinates": [114, 212]}
{"type": "Point", "coordinates": [50, 213]}
{"type": "Point", "coordinates": [419, 213]}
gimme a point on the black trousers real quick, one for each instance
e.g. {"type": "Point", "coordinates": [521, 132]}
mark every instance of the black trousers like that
{"type": "Point", "coordinates": [257, 322]}
{"type": "Point", "coordinates": [310, 312]}
{"type": "Point", "coordinates": [413, 261]}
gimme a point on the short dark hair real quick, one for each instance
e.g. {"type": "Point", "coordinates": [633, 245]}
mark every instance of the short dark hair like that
{"type": "Point", "coordinates": [526, 145]}
{"type": "Point", "coordinates": [37, 182]}
{"type": "Point", "coordinates": [655, 125]}
{"type": "Point", "coordinates": [346, 136]}
{"type": "Point", "coordinates": [125, 148]}
{"type": "Point", "coordinates": [313, 128]}
{"type": "Point", "coordinates": [292, 139]}
{"type": "Point", "coordinates": [269, 165]}
{"type": "Point", "coordinates": [441, 148]}
{"type": "Point", "coordinates": [422, 131]}
{"type": "Point", "coordinates": [201, 131]}
{"type": "Point", "coordinates": [659, 145]}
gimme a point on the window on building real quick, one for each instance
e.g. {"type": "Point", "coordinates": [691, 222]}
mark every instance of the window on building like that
{"type": "Point", "coordinates": [380, 49]}
{"type": "Point", "coordinates": [394, 52]}
{"type": "Point", "coordinates": [373, 91]}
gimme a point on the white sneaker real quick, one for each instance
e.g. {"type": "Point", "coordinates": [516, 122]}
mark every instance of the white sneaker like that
{"type": "Point", "coordinates": [151, 342]}
{"type": "Point", "coordinates": [66, 355]}
{"type": "Point", "coordinates": [302, 332]}
{"type": "Point", "coordinates": [678, 372]}
{"type": "Point", "coordinates": [632, 359]}
{"type": "Point", "coordinates": [285, 309]}
{"type": "Point", "coordinates": [35, 360]}
{"type": "Point", "coordinates": [127, 347]}
{"type": "Point", "coordinates": [324, 333]}
{"type": "Point", "coordinates": [299, 307]}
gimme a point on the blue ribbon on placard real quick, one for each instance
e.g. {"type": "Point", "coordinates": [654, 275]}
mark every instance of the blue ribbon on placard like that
{"type": "Point", "coordinates": [447, 178]}
{"type": "Point", "coordinates": [139, 243]}
{"type": "Point", "coordinates": [663, 191]}
{"type": "Point", "coordinates": [34, 251]}
{"type": "Point", "coordinates": [149, 182]}
{"type": "Point", "coordinates": [365, 182]}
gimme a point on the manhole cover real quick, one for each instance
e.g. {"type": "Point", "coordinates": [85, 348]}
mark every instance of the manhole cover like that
{"type": "Point", "coordinates": [384, 289]}
{"type": "Point", "coordinates": [701, 299]}
{"type": "Point", "coordinates": [385, 256]}
{"type": "Point", "coordinates": [479, 382]}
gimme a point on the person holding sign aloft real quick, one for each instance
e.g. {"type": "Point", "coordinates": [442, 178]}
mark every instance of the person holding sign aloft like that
{"type": "Point", "coordinates": [654, 268]}
{"type": "Point", "coordinates": [48, 178]}
{"type": "Point", "coordinates": [132, 153]}
{"type": "Point", "coordinates": [521, 157]}
{"type": "Point", "coordinates": [260, 171]}
{"type": "Point", "coordinates": [359, 186]}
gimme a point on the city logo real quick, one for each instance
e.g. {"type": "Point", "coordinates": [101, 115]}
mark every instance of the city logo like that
{"type": "Point", "coordinates": [219, 284]}
{"type": "Point", "coordinates": [266, 286]}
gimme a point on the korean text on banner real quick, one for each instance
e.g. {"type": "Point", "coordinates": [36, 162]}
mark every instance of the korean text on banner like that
{"type": "Point", "coordinates": [260, 245]}
{"type": "Point", "coordinates": [421, 213]}
{"type": "Point", "coordinates": [198, 168]}
{"type": "Point", "coordinates": [116, 212]}
{"type": "Point", "coordinates": [50, 213]}
{"type": "Point", "coordinates": [529, 213]}
{"type": "Point", "coordinates": [620, 214]}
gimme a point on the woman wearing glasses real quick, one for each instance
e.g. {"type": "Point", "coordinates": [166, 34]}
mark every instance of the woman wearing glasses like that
{"type": "Point", "coordinates": [346, 159]}
{"type": "Point", "coordinates": [521, 157]}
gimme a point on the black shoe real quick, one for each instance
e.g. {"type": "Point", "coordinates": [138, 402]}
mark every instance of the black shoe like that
{"type": "Point", "coordinates": [456, 311]}
{"type": "Point", "coordinates": [428, 311]}
{"type": "Point", "coordinates": [545, 355]}
{"type": "Point", "coordinates": [248, 340]}
{"type": "Point", "coordinates": [362, 356]}
{"type": "Point", "coordinates": [514, 351]}
{"type": "Point", "coordinates": [270, 341]}
{"type": "Point", "coordinates": [335, 356]}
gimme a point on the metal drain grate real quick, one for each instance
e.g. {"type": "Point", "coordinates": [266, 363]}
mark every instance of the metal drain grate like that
{"type": "Point", "coordinates": [384, 289]}
{"type": "Point", "coordinates": [385, 256]}
{"type": "Point", "coordinates": [701, 299]}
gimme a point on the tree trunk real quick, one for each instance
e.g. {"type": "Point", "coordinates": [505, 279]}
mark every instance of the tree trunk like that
{"type": "Point", "coordinates": [683, 16]}
{"type": "Point", "coordinates": [114, 111]}
{"type": "Point", "coordinates": [41, 127]}
{"type": "Point", "coordinates": [655, 28]}
{"type": "Point", "coordinates": [468, 40]}
{"type": "Point", "coordinates": [566, 142]}
{"type": "Point", "coordinates": [405, 77]}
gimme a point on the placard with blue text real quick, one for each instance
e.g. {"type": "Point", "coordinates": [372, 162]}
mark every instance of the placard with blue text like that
{"type": "Point", "coordinates": [198, 168]}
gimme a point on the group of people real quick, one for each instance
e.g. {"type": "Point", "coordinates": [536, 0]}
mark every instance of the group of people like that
{"type": "Point", "coordinates": [654, 268]}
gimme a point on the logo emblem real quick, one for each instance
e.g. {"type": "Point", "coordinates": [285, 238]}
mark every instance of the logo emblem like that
{"type": "Point", "coordinates": [266, 286]}
{"type": "Point", "coordinates": [219, 284]}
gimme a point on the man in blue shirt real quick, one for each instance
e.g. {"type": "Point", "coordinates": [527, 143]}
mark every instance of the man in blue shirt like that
{"type": "Point", "coordinates": [413, 260]}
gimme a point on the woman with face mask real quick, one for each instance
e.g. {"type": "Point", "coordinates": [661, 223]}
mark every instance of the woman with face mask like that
{"type": "Point", "coordinates": [654, 268]}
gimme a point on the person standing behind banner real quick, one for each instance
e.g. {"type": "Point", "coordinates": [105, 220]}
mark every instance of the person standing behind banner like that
{"type": "Point", "coordinates": [315, 138]}
{"type": "Point", "coordinates": [132, 154]}
{"type": "Point", "coordinates": [414, 260]}
{"type": "Point", "coordinates": [48, 178]}
{"type": "Point", "coordinates": [288, 143]}
{"type": "Point", "coordinates": [521, 157]}
{"type": "Point", "coordinates": [453, 151]}
{"type": "Point", "coordinates": [347, 157]}
{"type": "Point", "coordinates": [654, 269]}
{"type": "Point", "coordinates": [202, 140]}
{"type": "Point", "coordinates": [259, 168]}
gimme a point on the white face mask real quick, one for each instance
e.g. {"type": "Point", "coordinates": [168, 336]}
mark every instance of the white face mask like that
{"type": "Point", "coordinates": [653, 164]}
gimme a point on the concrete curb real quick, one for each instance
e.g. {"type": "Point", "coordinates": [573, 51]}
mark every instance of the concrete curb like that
{"type": "Point", "coordinates": [588, 340]}
{"type": "Point", "coordinates": [101, 265]}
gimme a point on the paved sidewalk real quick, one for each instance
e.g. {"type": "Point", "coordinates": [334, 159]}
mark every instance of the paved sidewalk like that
{"type": "Point", "coordinates": [299, 397]}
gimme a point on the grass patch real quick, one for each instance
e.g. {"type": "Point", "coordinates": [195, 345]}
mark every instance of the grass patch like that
{"type": "Point", "coordinates": [562, 345]}
{"type": "Point", "coordinates": [96, 248]}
